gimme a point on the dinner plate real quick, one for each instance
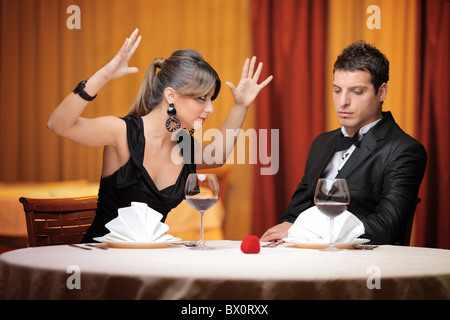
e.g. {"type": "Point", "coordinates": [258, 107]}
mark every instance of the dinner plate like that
{"type": "Point", "coordinates": [139, 245]}
{"type": "Point", "coordinates": [324, 245]}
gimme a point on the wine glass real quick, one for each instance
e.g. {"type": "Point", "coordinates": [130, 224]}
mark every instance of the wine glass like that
{"type": "Point", "coordinates": [332, 198]}
{"type": "Point", "coordinates": [202, 192]}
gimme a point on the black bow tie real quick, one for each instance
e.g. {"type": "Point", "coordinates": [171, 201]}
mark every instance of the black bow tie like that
{"type": "Point", "coordinates": [343, 143]}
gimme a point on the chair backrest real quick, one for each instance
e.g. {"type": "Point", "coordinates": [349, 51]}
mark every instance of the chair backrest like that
{"type": "Point", "coordinates": [409, 226]}
{"type": "Point", "coordinates": [58, 221]}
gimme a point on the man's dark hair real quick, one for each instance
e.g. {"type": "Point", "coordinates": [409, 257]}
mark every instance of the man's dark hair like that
{"type": "Point", "coordinates": [363, 56]}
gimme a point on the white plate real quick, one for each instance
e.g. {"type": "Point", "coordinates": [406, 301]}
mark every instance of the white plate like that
{"type": "Point", "coordinates": [139, 245]}
{"type": "Point", "coordinates": [323, 245]}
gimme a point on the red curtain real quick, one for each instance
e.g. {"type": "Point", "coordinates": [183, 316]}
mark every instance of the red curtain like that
{"type": "Point", "coordinates": [289, 37]}
{"type": "Point", "coordinates": [432, 224]}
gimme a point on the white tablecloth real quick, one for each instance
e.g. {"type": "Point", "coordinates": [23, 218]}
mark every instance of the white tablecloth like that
{"type": "Point", "coordinates": [177, 272]}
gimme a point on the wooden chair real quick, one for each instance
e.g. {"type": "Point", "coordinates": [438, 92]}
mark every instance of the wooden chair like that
{"type": "Point", "coordinates": [58, 221]}
{"type": "Point", "coordinates": [409, 226]}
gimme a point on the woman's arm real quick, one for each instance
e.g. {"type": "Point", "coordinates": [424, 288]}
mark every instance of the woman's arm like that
{"type": "Point", "coordinates": [244, 94]}
{"type": "Point", "coordinates": [66, 120]}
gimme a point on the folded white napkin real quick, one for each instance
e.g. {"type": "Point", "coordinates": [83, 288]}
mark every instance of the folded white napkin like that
{"type": "Point", "coordinates": [138, 223]}
{"type": "Point", "coordinates": [313, 226]}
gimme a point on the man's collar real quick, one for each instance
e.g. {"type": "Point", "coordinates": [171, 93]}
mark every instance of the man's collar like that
{"type": "Point", "coordinates": [363, 130]}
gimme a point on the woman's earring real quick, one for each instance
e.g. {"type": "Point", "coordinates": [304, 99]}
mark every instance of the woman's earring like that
{"type": "Point", "coordinates": [173, 123]}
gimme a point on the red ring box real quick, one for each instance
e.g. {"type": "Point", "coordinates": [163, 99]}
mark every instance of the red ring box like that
{"type": "Point", "coordinates": [250, 244]}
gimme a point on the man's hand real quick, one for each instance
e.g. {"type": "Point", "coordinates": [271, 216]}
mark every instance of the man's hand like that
{"type": "Point", "coordinates": [277, 232]}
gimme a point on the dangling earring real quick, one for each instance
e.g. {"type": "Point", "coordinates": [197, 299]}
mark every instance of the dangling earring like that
{"type": "Point", "coordinates": [173, 123]}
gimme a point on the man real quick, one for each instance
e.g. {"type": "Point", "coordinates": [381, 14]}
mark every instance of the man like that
{"type": "Point", "coordinates": [384, 166]}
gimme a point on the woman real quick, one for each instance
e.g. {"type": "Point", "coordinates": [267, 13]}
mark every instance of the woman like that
{"type": "Point", "coordinates": [138, 160]}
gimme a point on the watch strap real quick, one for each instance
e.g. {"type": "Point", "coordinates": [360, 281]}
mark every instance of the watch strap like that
{"type": "Point", "coordinates": [82, 93]}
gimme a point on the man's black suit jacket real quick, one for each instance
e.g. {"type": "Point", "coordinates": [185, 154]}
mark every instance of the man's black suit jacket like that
{"type": "Point", "coordinates": [383, 174]}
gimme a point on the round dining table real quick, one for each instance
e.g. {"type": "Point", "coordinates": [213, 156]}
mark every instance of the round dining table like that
{"type": "Point", "coordinates": [177, 272]}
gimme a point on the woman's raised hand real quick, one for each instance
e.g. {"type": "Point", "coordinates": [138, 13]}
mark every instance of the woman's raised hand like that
{"type": "Point", "coordinates": [248, 87]}
{"type": "Point", "coordinates": [118, 66]}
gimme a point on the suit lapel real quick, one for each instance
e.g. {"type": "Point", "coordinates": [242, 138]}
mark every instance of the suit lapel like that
{"type": "Point", "coordinates": [325, 156]}
{"type": "Point", "coordinates": [367, 147]}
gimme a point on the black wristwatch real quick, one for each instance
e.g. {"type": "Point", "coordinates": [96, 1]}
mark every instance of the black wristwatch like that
{"type": "Point", "coordinates": [80, 91]}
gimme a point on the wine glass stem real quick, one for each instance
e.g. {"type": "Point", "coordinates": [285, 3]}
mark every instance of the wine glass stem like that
{"type": "Point", "coordinates": [201, 229]}
{"type": "Point", "coordinates": [331, 233]}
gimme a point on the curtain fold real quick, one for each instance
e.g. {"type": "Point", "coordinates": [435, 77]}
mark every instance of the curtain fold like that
{"type": "Point", "coordinates": [297, 41]}
{"type": "Point", "coordinates": [347, 22]}
{"type": "Point", "coordinates": [396, 38]}
{"type": "Point", "coordinates": [42, 60]}
{"type": "Point", "coordinates": [289, 37]}
{"type": "Point", "coordinates": [432, 121]}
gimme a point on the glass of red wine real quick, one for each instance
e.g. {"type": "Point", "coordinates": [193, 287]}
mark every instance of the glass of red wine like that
{"type": "Point", "coordinates": [202, 192]}
{"type": "Point", "coordinates": [332, 198]}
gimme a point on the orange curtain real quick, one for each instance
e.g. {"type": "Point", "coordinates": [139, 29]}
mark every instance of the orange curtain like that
{"type": "Point", "coordinates": [432, 121]}
{"type": "Point", "coordinates": [351, 20]}
{"type": "Point", "coordinates": [289, 36]}
{"type": "Point", "coordinates": [396, 38]}
{"type": "Point", "coordinates": [42, 60]}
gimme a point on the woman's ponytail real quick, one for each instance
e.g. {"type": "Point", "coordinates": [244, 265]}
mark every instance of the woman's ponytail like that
{"type": "Point", "coordinates": [141, 105]}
